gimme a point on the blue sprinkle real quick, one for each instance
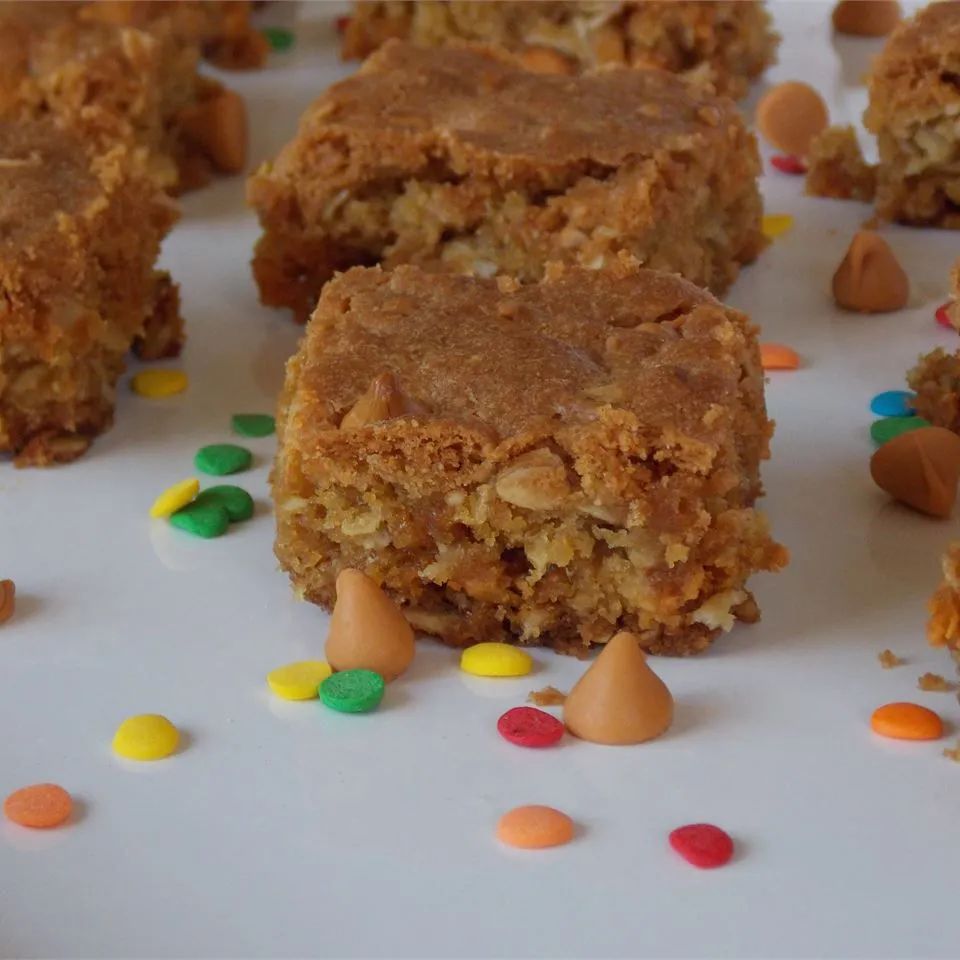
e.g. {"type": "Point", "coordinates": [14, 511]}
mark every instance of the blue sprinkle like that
{"type": "Point", "coordinates": [892, 403]}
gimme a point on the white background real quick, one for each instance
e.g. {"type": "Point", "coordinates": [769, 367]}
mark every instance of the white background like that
{"type": "Point", "coordinates": [286, 829]}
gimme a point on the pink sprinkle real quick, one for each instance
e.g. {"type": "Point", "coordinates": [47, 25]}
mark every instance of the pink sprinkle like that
{"type": "Point", "coordinates": [788, 164]}
{"type": "Point", "coordinates": [943, 318]}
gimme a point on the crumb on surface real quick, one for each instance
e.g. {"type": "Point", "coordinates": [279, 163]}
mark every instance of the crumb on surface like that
{"type": "Point", "coordinates": [888, 659]}
{"type": "Point", "coordinates": [547, 697]}
{"type": "Point", "coordinates": [934, 683]}
{"type": "Point", "coordinates": [837, 168]}
{"type": "Point", "coordinates": [953, 753]}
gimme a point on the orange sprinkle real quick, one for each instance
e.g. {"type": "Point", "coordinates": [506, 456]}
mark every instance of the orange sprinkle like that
{"type": "Point", "coordinates": [906, 721]}
{"type": "Point", "coordinates": [40, 806]}
{"type": "Point", "coordinates": [534, 827]}
{"type": "Point", "coordinates": [778, 356]}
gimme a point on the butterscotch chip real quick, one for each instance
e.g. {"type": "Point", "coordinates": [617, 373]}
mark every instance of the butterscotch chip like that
{"type": "Point", "coordinates": [866, 18]}
{"type": "Point", "coordinates": [546, 60]}
{"type": "Point", "coordinates": [7, 599]}
{"type": "Point", "coordinates": [382, 400]}
{"type": "Point", "coordinates": [870, 278]}
{"type": "Point", "coordinates": [934, 683]}
{"type": "Point", "coordinates": [888, 659]}
{"type": "Point", "coordinates": [218, 126]}
{"type": "Point", "coordinates": [790, 115]}
{"type": "Point", "coordinates": [920, 469]}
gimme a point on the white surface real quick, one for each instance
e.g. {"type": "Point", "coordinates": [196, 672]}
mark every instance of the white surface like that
{"type": "Point", "coordinates": [288, 830]}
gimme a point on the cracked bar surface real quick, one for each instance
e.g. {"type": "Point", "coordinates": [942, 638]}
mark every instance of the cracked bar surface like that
{"type": "Point", "coordinates": [459, 160]}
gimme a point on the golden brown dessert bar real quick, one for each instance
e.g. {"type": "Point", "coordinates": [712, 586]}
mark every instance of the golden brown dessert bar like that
{"type": "Point", "coordinates": [943, 626]}
{"type": "Point", "coordinates": [723, 43]}
{"type": "Point", "coordinates": [79, 236]}
{"type": "Point", "coordinates": [547, 463]}
{"type": "Point", "coordinates": [111, 83]}
{"type": "Point", "coordinates": [458, 159]}
{"type": "Point", "coordinates": [836, 167]}
{"type": "Point", "coordinates": [222, 28]}
{"type": "Point", "coordinates": [914, 103]}
{"type": "Point", "coordinates": [936, 382]}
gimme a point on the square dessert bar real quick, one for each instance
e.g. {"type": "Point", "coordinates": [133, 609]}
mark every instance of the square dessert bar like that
{"type": "Point", "coordinates": [913, 109]}
{"type": "Point", "coordinates": [546, 463]}
{"type": "Point", "coordinates": [115, 83]}
{"type": "Point", "coordinates": [79, 236]}
{"type": "Point", "coordinates": [460, 160]}
{"type": "Point", "coordinates": [723, 43]}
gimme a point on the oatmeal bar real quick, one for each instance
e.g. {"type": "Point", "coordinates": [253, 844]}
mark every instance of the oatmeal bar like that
{"type": "Point", "coordinates": [79, 236]}
{"type": "Point", "coordinates": [943, 627]}
{"type": "Point", "coordinates": [459, 160]}
{"type": "Point", "coordinates": [120, 84]}
{"type": "Point", "coordinates": [222, 28]}
{"type": "Point", "coordinates": [837, 168]}
{"type": "Point", "coordinates": [914, 102]}
{"type": "Point", "coordinates": [936, 382]}
{"type": "Point", "coordinates": [546, 463]}
{"type": "Point", "coordinates": [724, 43]}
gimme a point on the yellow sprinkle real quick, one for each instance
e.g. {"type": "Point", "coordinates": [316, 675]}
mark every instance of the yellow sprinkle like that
{"type": "Point", "coordinates": [175, 497]}
{"type": "Point", "coordinates": [147, 736]}
{"type": "Point", "coordinates": [776, 225]}
{"type": "Point", "coordinates": [495, 660]}
{"type": "Point", "coordinates": [159, 383]}
{"type": "Point", "coordinates": [298, 681]}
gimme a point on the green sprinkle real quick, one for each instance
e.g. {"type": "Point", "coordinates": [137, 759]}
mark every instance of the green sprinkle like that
{"type": "Point", "coordinates": [205, 520]}
{"type": "Point", "coordinates": [235, 500]}
{"type": "Point", "coordinates": [278, 38]}
{"type": "Point", "coordinates": [254, 424]}
{"type": "Point", "coordinates": [352, 691]}
{"type": "Point", "coordinates": [220, 459]}
{"type": "Point", "coordinates": [889, 427]}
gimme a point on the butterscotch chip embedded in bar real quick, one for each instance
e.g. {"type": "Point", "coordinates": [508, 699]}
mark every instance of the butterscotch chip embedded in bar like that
{"type": "Point", "coordinates": [583, 457]}
{"type": "Point", "coordinates": [713, 41]}
{"type": "Point", "coordinates": [460, 160]}
{"type": "Point", "coordinates": [78, 240]}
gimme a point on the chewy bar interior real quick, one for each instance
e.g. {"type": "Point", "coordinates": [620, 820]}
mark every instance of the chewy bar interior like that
{"type": "Point", "coordinates": [913, 108]}
{"type": "Point", "coordinates": [723, 43]}
{"type": "Point", "coordinates": [459, 160]}
{"type": "Point", "coordinates": [79, 237]}
{"type": "Point", "coordinates": [547, 463]}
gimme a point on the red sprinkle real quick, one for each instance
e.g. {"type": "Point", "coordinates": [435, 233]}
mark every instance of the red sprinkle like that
{"type": "Point", "coordinates": [943, 318]}
{"type": "Point", "coordinates": [341, 23]}
{"type": "Point", "coordinates": [530, 727]}
{"type": "Point", "coordinates": [787, 164]}
{"type": "Point", "coordinates": [702, 844]}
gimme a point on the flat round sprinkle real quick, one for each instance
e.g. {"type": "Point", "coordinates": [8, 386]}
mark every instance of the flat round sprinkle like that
{"type": "Point", "coordinates": [886, 429]}
{"type": "Point", "coordinates": [159, 383]}
{"type": "Point", "coordinates": [906, 721]}
{"type": "Point", "coordinates": [300, 680]}
{"type": "Point", "coordinates": [353, 691]}
{"type": "Point", "coordinates": [778, 356]}
{"type": "Point", "coordinates": [702, 844]}
{"type": "Point", "coordinates": [279, 39]}
{"type": "Point", "coordinates": [206, 520]}
{"type": "Point", "coordinates": [534, 827]}
{"type": "Point", "coordinates": [893, 403]}
{"type": "Point", "coordinates": [234, 500]}
{"type": "Point", "coordinates": [942, 315]}
{"type": "Point", "coordinates": [41, 806]}
{"type": "Point", "coordinates": [147, 736]}
{"type": "Point", "coordinates": [776, 225]}
{"type": "Point", "coordinates": [175, 498]}
{"type": "Point", "coordinates": [786, 163]}
{"type": "Point", "coordinates": [220, 459]}
{"type": "Point", "coordinates": [530, 727]}
{"type": "Point", "coordinates": [253, 424]}
{"type": "Point", "coordinates": [496, 660]}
